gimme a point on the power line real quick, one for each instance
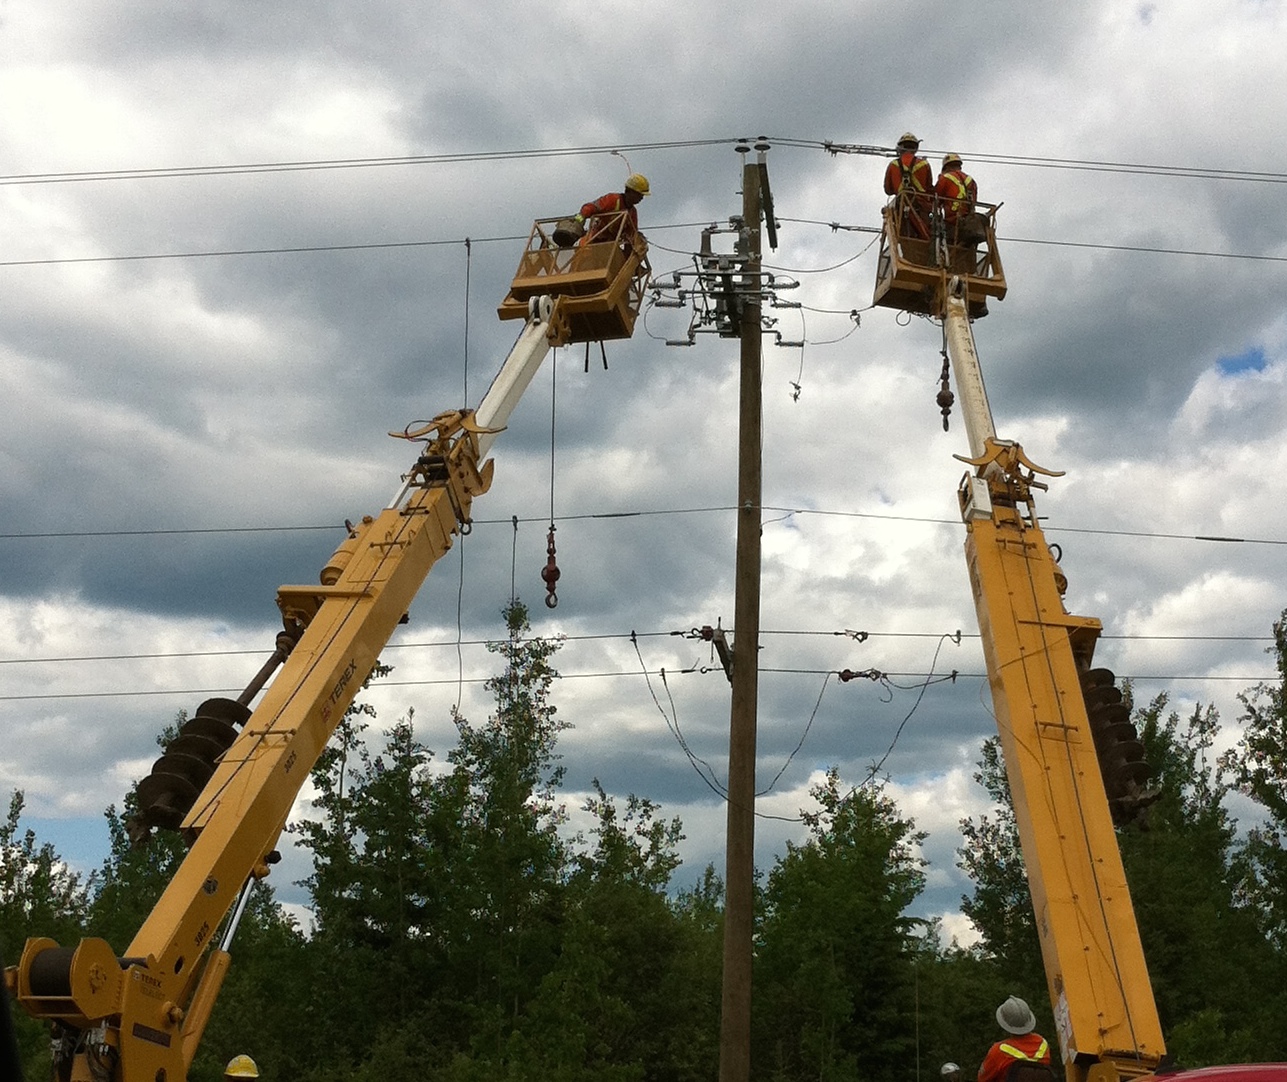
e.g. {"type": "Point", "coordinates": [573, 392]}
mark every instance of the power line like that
{"type": "Point", "coordinates": [600, 637]}
{"type": "Point", "coordinates": [307, 249]}
{"type": "Point", "coordinates": [302, 249]}
{"type": "Point", "coordinates": [1143, 248]}
{"type": "Point", "coordinates": [1246, 681]}
{"type": "Point", "coordinates": [214, 254]}
{"type": "Point", "coordinates": [648, 513]}
{"type": "Point", "coordinates": [185, 532]}
{"type": "Point", "coordinates": [1132, 169]}
{"type": "Point", "coordinates": [64, 534]}
{"type": "Point", "coordinates": [171, 172]}
{"type": "Point", "coordinates": [1183, 172]}
{"type": "Point", "coordinates": [834, 148]}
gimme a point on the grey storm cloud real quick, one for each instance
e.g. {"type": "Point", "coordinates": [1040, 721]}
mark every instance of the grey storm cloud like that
{"type": "Point", "coordinates": [198, 373]}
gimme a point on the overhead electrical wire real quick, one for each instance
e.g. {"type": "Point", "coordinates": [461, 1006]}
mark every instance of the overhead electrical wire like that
{"type": "Point", "coordinates": [461, 157]}
{"type": "Point", "coordinates": [920, 677]}
{"type": "Point", "coordinates": [601, 637]}
{"type": "Point", "coordinates": [314, 165]}
{"type": "Point", "coordinates": [488, 156]}
{"type": "Point", "coordinates": [1132, 169]}
{"type": "Point", "coordinates": [302, 249]}
{"type": "Point", "coordinates": [703, 768]}
{"type": "Point", "coordinates": [266, 167]}
{"type": "Point", "coordinates": [1148, 249]}
{"type": "Point", "coordinates": [1031, 161]}
{"type": "Point", "coordinates": [307, 249]}
{"type": "Point", "coordinates": [48, 535]}
{"type": "Point", "coordinates": [929, 679]}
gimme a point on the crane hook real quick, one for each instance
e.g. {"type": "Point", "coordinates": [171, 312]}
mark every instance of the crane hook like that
{"type": "Point", "coordinates": [550, 572]}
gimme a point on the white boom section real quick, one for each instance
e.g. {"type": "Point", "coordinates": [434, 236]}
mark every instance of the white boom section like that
{"type": "Point", "coordinates": [511, 381]}
{"type": "Point", "coordinates": [515, 374]}
{"type": "Point", "coordinates": [979, 427]}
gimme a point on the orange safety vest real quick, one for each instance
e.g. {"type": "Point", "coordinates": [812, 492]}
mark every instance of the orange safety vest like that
{"type": "Point", "coordinates": [1041, 1055]}
{"type": "Point", "coordinates": [1001, 1056]}
{"type": "Point", "coordinates": [611, 203]}
{"type": "Point", "coordinates": [918, 176]}
{"type": "Point", "coordinates": [959, 190]}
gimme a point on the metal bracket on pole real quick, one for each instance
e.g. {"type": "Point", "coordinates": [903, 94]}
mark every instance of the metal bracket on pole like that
{"type": "Point", "coordinates": [716, 636]}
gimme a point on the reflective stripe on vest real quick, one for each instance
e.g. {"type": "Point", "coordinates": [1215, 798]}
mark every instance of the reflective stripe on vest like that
{"type": "Point", "coordinates": [963, 191]}
{"type": "Point", "coordinates": [909, 173]}
{"type": "Point", "coordinates": [1042, 1051]}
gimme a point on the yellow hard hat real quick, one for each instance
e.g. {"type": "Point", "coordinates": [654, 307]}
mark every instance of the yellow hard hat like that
{"type": "Point", "coordinates": [951, 159]}
{"type": "Point", "coordinates": [908, 137]}
{"type": "Point", "coordinates": [637, 182]}
{"type": "Point", "coordinates": [241, 1067]}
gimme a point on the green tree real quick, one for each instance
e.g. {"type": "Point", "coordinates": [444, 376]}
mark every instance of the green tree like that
{"type": "Point", "coordinates": [1259, 768]}
{"type": "Point", "coordinates": [263, 1008]}
{"type": "Point", "coordinates": [39, 896]}
{"type": "Point", "coordinates": [698, 967]}
{"type": "Point", "coordinates": [835, 962]}
{"type": "Point", "coordinates": [438, 895]}
{"type": "Point", "coordinates": [1202, 942]}
{"type": "Point", "coordinates": [958, 990]}
{"type": "Point", "coordinates": [39, 893]}
{"type": "Point", "coordinates": [1001, 906]}
{"type": "Point", "coordinates": [1188, 876]}
{"type": "Point", "coordinates": [376, 886]}
{"type": "Point", "coordinates": [623, 1001]}
{"type": "Point", "coordinates": [509, 882]}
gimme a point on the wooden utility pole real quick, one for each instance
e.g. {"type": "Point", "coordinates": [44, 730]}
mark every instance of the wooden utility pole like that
{"type": "Point", "coordinates": [739, 867]}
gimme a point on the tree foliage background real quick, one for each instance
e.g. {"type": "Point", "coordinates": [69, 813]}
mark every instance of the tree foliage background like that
{"type": "Point", "coordinates": [462, 931]}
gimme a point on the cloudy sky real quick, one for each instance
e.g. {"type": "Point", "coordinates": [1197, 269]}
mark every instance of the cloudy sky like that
{"type": "Point", "coordinates": [244, 242]}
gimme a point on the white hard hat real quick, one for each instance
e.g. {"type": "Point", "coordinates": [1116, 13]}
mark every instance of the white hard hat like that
{"type": "Point", "coordinates": [1015, 1016]}
{"type": "Point", "coordinates": [949, 1068]}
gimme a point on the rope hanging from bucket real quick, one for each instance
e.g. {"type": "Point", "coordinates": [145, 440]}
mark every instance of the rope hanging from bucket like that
{"type": "Point", "coordinates": [550, 572]}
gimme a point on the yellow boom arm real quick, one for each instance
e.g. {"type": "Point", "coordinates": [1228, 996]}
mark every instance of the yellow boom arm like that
{"type": "Point", "coordinates": [139, 1018]}
{"type": "Point", "coordinates": [1039, 661]}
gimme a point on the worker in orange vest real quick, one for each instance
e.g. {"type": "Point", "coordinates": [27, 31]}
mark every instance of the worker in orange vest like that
{"type": "Point", "coordinates": [1022, 1046]}
{"type": "Point", "coordinates": [911, 175]}
{"type": "Point", "coordinates": [957, 193]}
{"type": "Point", "coordinates": [595, 215]}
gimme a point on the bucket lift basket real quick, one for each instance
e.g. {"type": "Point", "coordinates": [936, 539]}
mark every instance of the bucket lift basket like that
{"type": "Point", "coordinates": [597, 283]}
{"type": "Point", "coordinates": [918, 256]}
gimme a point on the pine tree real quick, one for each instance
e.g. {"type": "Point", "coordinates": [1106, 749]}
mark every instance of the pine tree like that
{"type": "Point", "coordinates": [835, 969]}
